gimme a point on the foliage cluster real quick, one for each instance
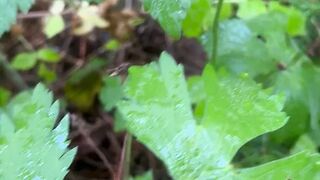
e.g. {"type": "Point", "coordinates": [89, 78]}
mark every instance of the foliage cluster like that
{"type": "Point", "coordinates": [258, 80]}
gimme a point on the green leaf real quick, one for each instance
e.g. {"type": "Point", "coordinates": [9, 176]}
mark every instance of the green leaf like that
{"type": "Point", "coordinates": [304, 143]}
{"type": "Point", "coordinates": [196, 89]}
{"type": "Point", "coordinates": [301, 85]}
{"type": "Point", "coordinates": [295, 19]}
{"type": "Point", "coordinates": [29, 148]}
{"type": "Point", "coordinates": [286, 19]}
{"type": "Point", "coordinates": [119, 122]}
{"type": "Point", "coordinates": [299, 166]}
{"type": "Point", "coordinates": [158, 112]}
{"type": "Point", "coordinates": [250, 107]}
{"type": "Point", "coordinates": [54, 24]}
{"type": "Point", "coordinates": [195, 18]}
{"type": "Point", "coordinates": [48, 55]}
{"type": "Point", "coordinates": [111, 92]}
{"type": "Point", "coordinates": [4, 96]}
{"type": "Point", "coordinates": [251, 8]}
{"type": "Point", "coordinates": [112, 45]}
{"type": "Point", "coordinates": [24, 61]}
{"type": "Point", "coordinates": [235, 50]}
{"type": "Point", "coordinates": [9, 10]}
{"type": "Point", "coordinates": [169, 13]}
{"type": "Point", "coordinates": [46, 74]}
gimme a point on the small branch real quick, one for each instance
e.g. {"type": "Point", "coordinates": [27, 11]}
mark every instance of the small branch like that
{"type": "Point", "coordinates": [41, 14]}
{"type": "Point", "coordinates": [25, 43]}
{"type": "Point", "coordinates": [13, 75]}
{"type": "Point", "coordinates": [93, 145]}
{"type": "Point", "coordinates": [124, 167]}
{"type": "Point", "coordinates": [128, 4]}
{"type": "Point", "coordinates": [215, 32]}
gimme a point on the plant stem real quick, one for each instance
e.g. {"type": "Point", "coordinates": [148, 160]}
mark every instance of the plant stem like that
{"type": "Point", "coordinates": [124, 168]}
{"type": "Point", "coordinates": [215, 32]}
{"type": "Point", "coordinates": [14, 76]}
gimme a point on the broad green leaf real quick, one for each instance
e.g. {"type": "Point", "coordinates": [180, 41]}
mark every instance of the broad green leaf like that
{"type": "Point", "coordinates": [235, 50]}
{"type": "Point", "coordinates": [48, 55]}
{"type": "Point", "coordinates": [119, 122]}
{"type": "Point", "coordinates": [157, 110]}
{"type": "Point", "coordinates": [277, 18]}
{"type": "Point", "coordinates": [111, 92]}
{"type": "Point", "coordinates": [24, 61]}
{"type": "Point", "coordinates": [191, 17]}
{"type": "Point", "coordinates": [29, 148]}
{"type": "Point", "coordinates": [295, 19]}
{"type": "Point", "coordinates": [299, 166]}
{"type": "Point", "coordinates": [241, 102]}
{"type": "Point", "coordinates": [251, 8]}
{"type": "Point", "coordinates": [195, 18]}
{"type": "Point", "coordinates": [301, 85]}
{"type": "Point", "coordinates": [269, 23]}
{"type": "Point", "coordinates": [54, 24]}
{"type": "Point", "coordinates": [9, 10]}
{"type": "Point", "coordinates": [253, 47]}
{"type": "Point", "coordinates": [169, 13]}
{"type": "Point", "coordinates": [196, 89]}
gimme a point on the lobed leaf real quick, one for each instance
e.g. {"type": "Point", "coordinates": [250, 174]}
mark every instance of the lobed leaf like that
{"type": "Point", "coordinates": [29, 148]}
{"type": "Point", "coordinates": [157, 110]}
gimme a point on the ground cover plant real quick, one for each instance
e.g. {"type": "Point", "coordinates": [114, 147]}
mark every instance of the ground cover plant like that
{"type": "Point", "coordinates": [159, 89]}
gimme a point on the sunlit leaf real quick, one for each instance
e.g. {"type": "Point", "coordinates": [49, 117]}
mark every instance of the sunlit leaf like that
{"type": "Point", "coordinates": [157, 110]}
{"type": "Point", "coordinates": [24, 61]}
{"type": "Point", "coordinates": [48, 55]}
{"type": "Point", "coordinates": [195, 18]}
{"type": "Point", "coordinates": [29, 148]}
{"type": "Point", "coordinates": [54, 24]}
{"type": "Point", "coordinates": [251, 8]}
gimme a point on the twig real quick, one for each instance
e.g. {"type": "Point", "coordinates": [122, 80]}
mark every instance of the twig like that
{"type": "Point", "coordinates": [13, 75]}
{"type": "Point", "coordinates": [124, 166]}
{"type": "Point", "coordinates": [128, 4]}
{"type": "Point", "coordinates": [215, 32]}
{"type": "Point", "coordinates": [25, 43]}
{"type": "Point", "coordinates": [93, 145]}
{"type": "Point", "coordinates": [41, 14]}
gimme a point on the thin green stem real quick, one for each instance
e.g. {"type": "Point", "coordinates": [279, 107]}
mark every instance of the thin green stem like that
{"type": "Point", "coordinates": [215, 32]}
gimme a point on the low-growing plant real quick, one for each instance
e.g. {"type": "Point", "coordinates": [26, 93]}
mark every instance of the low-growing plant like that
{"type": "Point", "coordinates": [30, 146]}
{"type": "Point", "coordinates": [200, 145]}
{"type": "Point", "coordinates": [259, 80]}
